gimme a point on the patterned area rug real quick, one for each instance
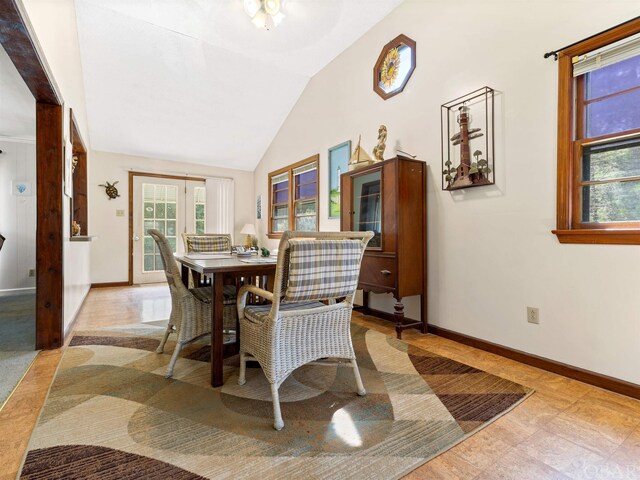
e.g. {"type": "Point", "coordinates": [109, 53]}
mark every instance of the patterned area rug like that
{"type": "Point", "coordinates": [112, 415]}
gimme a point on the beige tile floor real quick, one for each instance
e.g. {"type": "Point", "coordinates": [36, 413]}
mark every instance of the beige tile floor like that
{"type": "Point", "coordinates": [566, 430]}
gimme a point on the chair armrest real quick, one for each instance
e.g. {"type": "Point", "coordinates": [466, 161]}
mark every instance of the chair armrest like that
{"type": "Point", "coordinates": [242, 297]}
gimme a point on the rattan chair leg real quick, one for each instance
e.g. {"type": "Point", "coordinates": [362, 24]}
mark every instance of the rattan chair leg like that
{"type": "Point", "coordinates": [278, 424]}
{"type": "Point", "coordinates": [356, 373]}
{"type": "Point", "coordinates": [167, 332]}
{"type": "Point", "coordinates": [174, 358]}
{"type": "Point", "coordinates": [243, 369]}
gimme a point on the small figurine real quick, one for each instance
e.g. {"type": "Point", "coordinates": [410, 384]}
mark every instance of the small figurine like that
{"type": "Point", "coordinates": [75, 228]}
{"type": "Point", "coordinates": [468, 173]}
{"type": "Point", "coordinates": [359, 158]}
{"type": "Point", "coordinates": [378, 151]}
{"type": "Point", "coordinates": [110, 189]}
{"type": "Point", "coordinates": [265, 252]}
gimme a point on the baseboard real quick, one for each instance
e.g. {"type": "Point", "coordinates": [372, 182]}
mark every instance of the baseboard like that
{"type": "Point", "coordinates": [592, 378]}
{"type": "Point", "coordinates": [72, 324]}
{"type": "Point", "coordinates": [109, 284]}
{"type": "Point", "coordinates": [18, 290]}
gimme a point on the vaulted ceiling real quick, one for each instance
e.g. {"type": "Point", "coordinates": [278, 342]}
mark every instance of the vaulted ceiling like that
{"type": "Point", "coordinates": [196, 81]}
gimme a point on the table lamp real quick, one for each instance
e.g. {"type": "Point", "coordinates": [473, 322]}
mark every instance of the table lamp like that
{"type": "Point", "coordinates": [249, 229]}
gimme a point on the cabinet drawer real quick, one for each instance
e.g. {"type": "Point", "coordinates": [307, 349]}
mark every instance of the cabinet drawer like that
{"type": "Point", "coordinates": [379, 271]}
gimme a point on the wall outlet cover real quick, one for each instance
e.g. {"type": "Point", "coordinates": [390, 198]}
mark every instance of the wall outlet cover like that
{"type": "Point", "coordinates": [533, 315]}
{"type": "Point", "coordinates": [119, 213]}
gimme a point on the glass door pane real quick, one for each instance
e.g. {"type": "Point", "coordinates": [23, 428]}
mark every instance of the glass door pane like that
{"type": "Point", "coordinates": [160, 208]}
{"type": "Point", "coordinates": [367, 205]}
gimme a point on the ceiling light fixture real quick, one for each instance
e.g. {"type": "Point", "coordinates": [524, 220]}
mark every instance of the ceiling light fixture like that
{"type": "Point", "coordinates": [265, 14]}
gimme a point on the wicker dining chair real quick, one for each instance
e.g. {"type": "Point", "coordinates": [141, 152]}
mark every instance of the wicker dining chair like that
{"type": "Point", "coordinates": [211, 242]}
{"type": "Point", "coordinates": [206, 242]}
{"type": "Point", "coordinates": [297, 328]}
{"type": "Point", "coordinates": [190, 307]}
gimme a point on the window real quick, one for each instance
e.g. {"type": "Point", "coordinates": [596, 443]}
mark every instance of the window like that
{"type": "Point", "coordinates": [160, 209]}
{"type": "Point", "coordinates": [199, 201]}
{"type": "Point", "coordinates": [599, 139]}
{"type": "Point", "coordinates": [293, 198]}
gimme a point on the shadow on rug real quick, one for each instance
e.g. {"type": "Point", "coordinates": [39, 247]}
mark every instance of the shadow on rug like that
{"type": "Point", "coordinates": [112, 414]}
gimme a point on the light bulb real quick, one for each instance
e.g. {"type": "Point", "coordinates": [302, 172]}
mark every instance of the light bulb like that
{"type": "Point", "coordinates": [252, 7]}
{"type": "Point", "coordinates": [272, 7]}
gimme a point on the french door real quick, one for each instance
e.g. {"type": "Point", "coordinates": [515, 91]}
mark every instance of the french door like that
{"type": "Point", "coordinates": [171, 206]}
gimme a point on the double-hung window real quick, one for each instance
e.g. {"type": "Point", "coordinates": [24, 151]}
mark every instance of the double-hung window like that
{"type": "Point", "coordinates": [293, 198]}
{"type": "Point", "coordinates": [599, 139]}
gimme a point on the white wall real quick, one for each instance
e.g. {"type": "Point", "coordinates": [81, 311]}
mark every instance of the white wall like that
{"type": "Point", "coordinates": [18, 111]}
{"type": "Point", "coordinates": [491, 251]}
{"type": "Point", "coordinates": [54, 23]}
{"type": "Point", "coordinates": [17, 215]}
{"type": "Point", "coordinates": [110, 252]}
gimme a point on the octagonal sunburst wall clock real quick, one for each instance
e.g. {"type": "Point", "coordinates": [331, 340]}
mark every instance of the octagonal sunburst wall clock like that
{"type": "Point", "coordinates": [394, 67]}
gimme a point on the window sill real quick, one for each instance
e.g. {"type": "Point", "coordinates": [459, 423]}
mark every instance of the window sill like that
{"type": "Point", "coordinates": [274, 236]}
{"type": "Point", "coordinates": [600, 236]}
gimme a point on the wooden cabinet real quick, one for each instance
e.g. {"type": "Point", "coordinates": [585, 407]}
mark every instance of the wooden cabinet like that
{"type": "Point", "coordinates": [389, 198]}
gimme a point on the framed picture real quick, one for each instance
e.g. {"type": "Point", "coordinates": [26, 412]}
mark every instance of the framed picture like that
{"type": "Point", "coordinates": [259, 207]}
{"type": "Point", "coordinates": [21, 188]}
{"type": "Point", "coordinates": [338, 164]}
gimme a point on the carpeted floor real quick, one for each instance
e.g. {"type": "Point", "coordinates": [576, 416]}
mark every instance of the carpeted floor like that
{"type": "Point", "coordinates": [112, 415]}
{"type": "Point", "coordinates": [17, 339]}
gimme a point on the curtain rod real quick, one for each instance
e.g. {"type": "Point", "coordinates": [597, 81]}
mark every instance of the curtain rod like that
{"type": "Point", "coordinates": [554, 53]}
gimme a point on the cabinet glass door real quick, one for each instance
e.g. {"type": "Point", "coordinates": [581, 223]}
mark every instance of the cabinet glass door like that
{"type": "Point", "coordinates": [367, 205]}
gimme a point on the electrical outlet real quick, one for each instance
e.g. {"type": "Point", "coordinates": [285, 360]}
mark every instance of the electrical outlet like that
{"type": "Point", "coordinates": [533, 315]}
{"type": "Point", "coordinates": [119, 213]}
{"type": "Point", "coordinates": [32, 272]}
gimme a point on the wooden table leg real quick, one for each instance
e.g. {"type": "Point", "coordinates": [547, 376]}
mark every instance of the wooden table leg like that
{"type": "Point", "coordinates": [217, 336]}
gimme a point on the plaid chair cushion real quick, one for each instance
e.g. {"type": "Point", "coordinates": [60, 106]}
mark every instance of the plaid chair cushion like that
{"type": "Point", "coordinates": [257, 313]}
{"type": "Point", "coordinates": [204, 294]}
{"type": "Point", "coordinates": [208, 244]}
{"type": "Point", "coordinates": [320, 269]}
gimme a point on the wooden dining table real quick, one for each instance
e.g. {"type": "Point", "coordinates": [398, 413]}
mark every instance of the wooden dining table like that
{"type": "Point", "coordinates": [220, 268]}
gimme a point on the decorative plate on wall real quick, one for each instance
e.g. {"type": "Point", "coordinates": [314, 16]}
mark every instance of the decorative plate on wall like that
{"type": "Point", "coordinates": [394, 67]}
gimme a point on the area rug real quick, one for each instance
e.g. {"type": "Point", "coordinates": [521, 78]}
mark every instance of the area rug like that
{"type": "Point", "coordinates": [111, 414]}
{"type": "Point", "coordinates": [17, 339]}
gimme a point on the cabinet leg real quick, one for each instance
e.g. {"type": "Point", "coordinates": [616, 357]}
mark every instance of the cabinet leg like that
{"type": "Point", "coordinates": [365, 302]}
{"type": "Point", "coordinates": [398, 314]}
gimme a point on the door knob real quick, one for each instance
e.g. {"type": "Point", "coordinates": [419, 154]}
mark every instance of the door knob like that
{"type": "Point", "coordinates": [385, 272]}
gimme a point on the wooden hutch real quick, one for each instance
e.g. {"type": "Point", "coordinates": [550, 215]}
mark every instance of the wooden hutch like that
{"type": "Point", "coordinates": [389, 198]}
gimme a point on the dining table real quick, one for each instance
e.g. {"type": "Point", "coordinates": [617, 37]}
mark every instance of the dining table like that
{"type": "Point", "coordinates": [221, 269]}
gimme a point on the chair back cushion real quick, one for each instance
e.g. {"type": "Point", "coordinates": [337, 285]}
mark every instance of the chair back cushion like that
{"type": "Point", "coordinates": [321, 269]}
{"type": "Point", "coordinates": [207, 243]}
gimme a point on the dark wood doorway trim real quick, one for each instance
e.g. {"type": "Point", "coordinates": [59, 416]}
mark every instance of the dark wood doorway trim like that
{"type": "Point", "coordinates": [23, 50]}
{"type": "Point", "coordinates": [79, 204]}
{"type": "Point", "coordinates": [18, 40]}
{"type": "Point", "coordinates": [143, 174]}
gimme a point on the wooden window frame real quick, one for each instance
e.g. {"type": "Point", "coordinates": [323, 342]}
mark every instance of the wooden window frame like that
{"type": "Point", "coordinates": [569, 227]}
{"type": "Point", "coordinates": [290, 199]}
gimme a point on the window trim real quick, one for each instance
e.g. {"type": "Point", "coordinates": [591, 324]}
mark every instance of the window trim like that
{"type": "Point", "coordinates": [290, 199]}
{"type": "Point", "coordinates": [567, 208]}
{"type": "Point", "coordinates": [195, 208]}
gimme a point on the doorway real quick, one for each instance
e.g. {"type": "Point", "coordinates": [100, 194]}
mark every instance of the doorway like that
{"type": "Point", "coordinates": [18, 197]}
{"type": "Point", "coordinates": [172, 205]}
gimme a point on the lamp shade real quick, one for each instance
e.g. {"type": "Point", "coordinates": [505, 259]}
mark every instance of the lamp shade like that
{"type": "Point", "coordinates": [248, 229]}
